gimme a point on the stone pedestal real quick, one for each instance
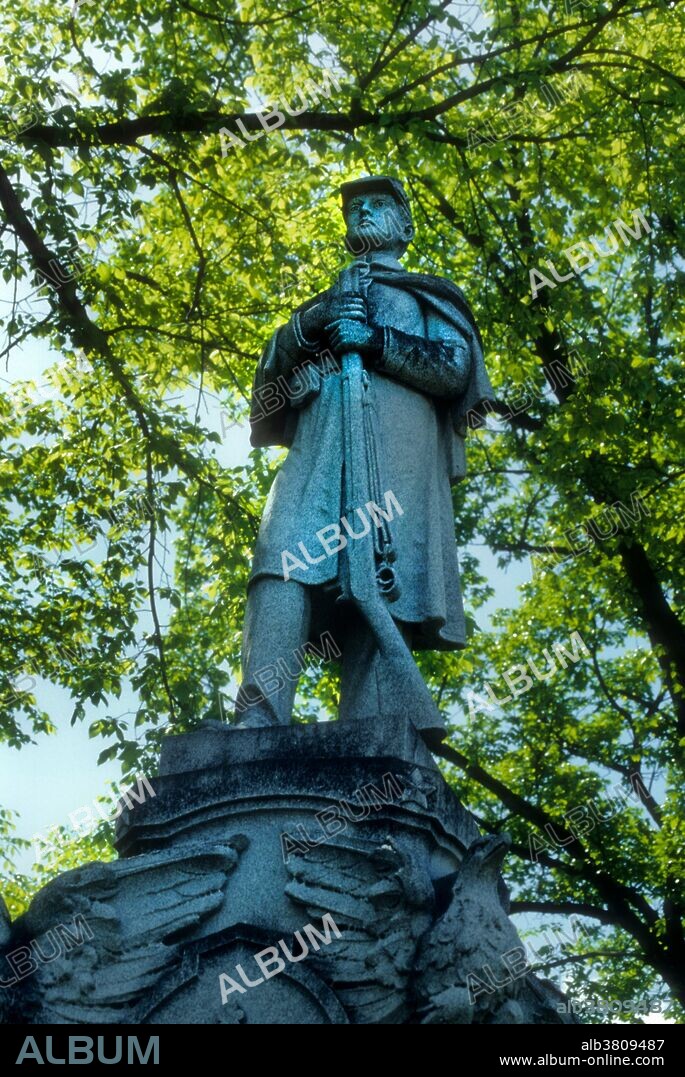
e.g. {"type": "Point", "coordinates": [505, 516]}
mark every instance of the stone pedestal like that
{"type": "Point", "coordinates": [302, 875]}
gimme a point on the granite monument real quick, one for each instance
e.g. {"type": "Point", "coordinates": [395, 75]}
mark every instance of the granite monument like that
{"type": "Point", "coordinates": [357, 538]}
{"type": "Point", "coordinates": [285, 873]}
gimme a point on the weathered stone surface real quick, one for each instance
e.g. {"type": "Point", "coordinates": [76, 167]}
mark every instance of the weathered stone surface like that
{"type": "Point", "coordinates": [251, 839]}
{"type": "Point", "coordinates": [471, 964]}
{"type": "Point", "coordinates": [123, 920]}
{"type": "Point", "coordinates": [372, 386]}
{"type": "Point", "coordinates": [332, 861]}
{"type": "Point", "coordinates": [4, 923]}
{"type": "Point", "coordinates": [5, 936]}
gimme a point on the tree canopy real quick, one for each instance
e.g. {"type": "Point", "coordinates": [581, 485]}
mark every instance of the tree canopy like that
{"type": "Point", "coordinates": [168, 192]}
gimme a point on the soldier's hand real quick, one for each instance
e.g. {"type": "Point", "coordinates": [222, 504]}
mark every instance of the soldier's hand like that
{"type": "Point", "coordinates": [332, 307]}
{"type": "Point", "coordinates": [350, 335]}
{"type": "Point", "coordinates": [349, 307]}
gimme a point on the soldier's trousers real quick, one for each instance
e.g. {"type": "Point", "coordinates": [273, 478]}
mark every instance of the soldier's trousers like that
{"type": "Point", "coordinates": [276, 634]}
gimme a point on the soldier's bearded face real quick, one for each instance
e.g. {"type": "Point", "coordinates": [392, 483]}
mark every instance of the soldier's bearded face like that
{"type": "Point", "coordinates": [375, 222]}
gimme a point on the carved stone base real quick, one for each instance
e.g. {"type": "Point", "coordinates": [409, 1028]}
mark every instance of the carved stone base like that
{"type": "Point", "coordinates": [287, 876]}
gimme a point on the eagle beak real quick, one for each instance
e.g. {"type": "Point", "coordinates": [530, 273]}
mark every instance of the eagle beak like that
{"type": "Point", "coordinates": [498, 851]}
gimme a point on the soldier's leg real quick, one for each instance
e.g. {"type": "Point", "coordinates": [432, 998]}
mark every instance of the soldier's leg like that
{"type": "Point", "coordinates": [277, 621]}
{"type": "Point", "coordinates": [366, 691]}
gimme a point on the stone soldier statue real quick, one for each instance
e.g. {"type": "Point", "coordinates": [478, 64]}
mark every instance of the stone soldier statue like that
{"type": "Point", "coordinates": [371, 386]}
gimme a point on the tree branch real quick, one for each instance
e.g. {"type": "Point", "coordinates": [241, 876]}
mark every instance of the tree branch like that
{"type": "Point", "coordinates": [563, 908]}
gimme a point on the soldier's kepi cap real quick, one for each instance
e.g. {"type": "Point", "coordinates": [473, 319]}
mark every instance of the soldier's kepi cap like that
{"type": "Point", "coordinates": [375, 184]}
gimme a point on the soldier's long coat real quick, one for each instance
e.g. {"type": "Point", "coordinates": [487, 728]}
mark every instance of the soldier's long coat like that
{"type": "Point", "coordinates": [421, 424]}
